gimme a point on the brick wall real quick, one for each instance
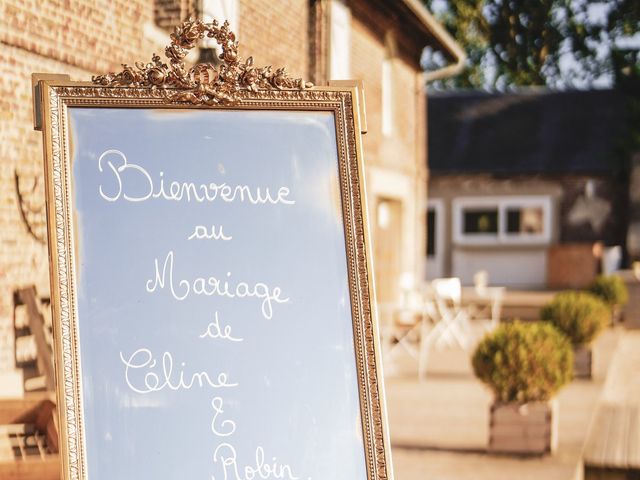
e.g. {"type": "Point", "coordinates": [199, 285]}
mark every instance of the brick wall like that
{"type": "Point", "coordinates": [272, 32]}
{"type": "Point", "coordinates": [91, 35]}
{"type": "Point", "coordinates": [86, 37]}
{"type": "Point", "coordinates": [400, 149]}
{"type": "Point", "coordinates": [23, 259]}
{"type": "Point", "coordinates": [81, 39]}
{"type": "Point", "coordinates": [168, 13]}
{"type": "Point", "coordinates": [403, 151]}
{"type": "Point", "coordinates": [610, 202]}
{"type": "Point", "coordinates": [276, 33]}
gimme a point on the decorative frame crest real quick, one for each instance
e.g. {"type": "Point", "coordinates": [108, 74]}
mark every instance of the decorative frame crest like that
{"type": "Point", "coordinates": [205, 83]}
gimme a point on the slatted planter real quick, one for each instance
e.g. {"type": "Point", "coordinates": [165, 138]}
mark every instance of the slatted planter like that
{"type": "Point", "coordinates": [525, 429]}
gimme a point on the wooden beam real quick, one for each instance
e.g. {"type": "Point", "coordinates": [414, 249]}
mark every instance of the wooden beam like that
{"type": "Point", "coordinates": [47, 468]}
{"type": "Point", "coordinates": [27, 296]}
{"type": "Point", "coordinates": [23, 410]}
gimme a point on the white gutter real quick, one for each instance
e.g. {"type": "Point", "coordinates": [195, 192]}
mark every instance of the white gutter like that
{"type": "Point", "coordinates": [441, 35]}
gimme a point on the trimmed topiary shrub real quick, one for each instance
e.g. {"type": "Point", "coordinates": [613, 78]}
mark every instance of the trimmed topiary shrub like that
{"type": "Point", "coordinates": [581, 316]}
{"type": "Point", "coordinates": [524, 362]}
{"type": "Point", "coordinates": [611, 289]}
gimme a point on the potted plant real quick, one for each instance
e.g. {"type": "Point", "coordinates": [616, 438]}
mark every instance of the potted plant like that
{"type": "Point", "coordinates": [612, 290]}
{"type": "Point", "coordinates": [581, 316]}
{"type": "Point", "coordinates": [524, 364]}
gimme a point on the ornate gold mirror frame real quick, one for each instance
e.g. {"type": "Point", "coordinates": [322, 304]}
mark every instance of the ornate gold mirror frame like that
{"type": "Point", "coordinates": [236, 85]}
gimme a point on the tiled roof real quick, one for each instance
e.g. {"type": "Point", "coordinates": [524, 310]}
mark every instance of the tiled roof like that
{"type": "Point", "coordinates": [529, 131]}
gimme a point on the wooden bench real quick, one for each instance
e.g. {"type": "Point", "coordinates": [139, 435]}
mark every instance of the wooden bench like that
{"type": "Point", "coordinates": [33, 340]}
{"type": "Point", "coordinates": [28, 423]}
{"type": "Point", "coordinates": [612, 449]}
{"type": "Point", "coordinates": [29, 438]}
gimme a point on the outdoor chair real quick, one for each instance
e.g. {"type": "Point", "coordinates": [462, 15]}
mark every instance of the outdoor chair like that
{"type": "Point", "coordinates": [404, 328]}
{"type": "Point", "coordinates": [450, 320]}
{"type": "Point", "coordinates": [483, 302]}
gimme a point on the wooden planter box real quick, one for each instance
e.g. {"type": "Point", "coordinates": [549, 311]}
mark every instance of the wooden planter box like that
{"type": "Point", "coordinates": [582, 362]}
{"type": "Point", "coordinates": [524, 429]}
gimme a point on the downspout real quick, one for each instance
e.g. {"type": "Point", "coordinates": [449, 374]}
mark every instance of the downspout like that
{"type": "Point", "coordinates": [452, 47]}
{"type": "Point", "coordinates": [454, 51]}
{"type": "Point", "coordinates": [439, 33]}
{"type": "Point", "coordinates": [448, 71]}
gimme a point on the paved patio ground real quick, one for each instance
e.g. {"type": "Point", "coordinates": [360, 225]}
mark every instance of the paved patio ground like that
{"type": "Point", "coordinates": [439, 426]}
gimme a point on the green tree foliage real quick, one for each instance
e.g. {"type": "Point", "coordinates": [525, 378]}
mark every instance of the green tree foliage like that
{"type": "Point", "coordinates": [524, 362]}
{"type": "Point", "coordinates": [524, 43]}
{"type": "Point", "coordinates": [623, 19]}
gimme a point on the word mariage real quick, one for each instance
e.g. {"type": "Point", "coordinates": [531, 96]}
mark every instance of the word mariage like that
{"type": "Point", "coordinates": [212, 286]}
{"type": "Point", "coordinates": [133, 183]}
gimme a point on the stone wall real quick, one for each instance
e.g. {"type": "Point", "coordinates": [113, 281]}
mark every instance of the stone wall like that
{"type": "Point", "coordinates": [633, 235]}
{"type": "Point", "coordinates": [585, 210]}
{"type": "Point", "coordinates": [594, 208]}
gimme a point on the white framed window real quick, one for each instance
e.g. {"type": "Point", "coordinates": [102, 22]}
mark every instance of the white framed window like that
{"type": "Point", "coordinates": [387, 96]}
{"type": "Point", "coordinates": [502, 220]}
{"type": "Point", "coordinates": [220, 10]}
{"type": "Point", "coordinates": [387, 85]}
{"type": "Point", "coordinates": [435, 227]}
{"type": "Point", "coordinates": [435, 238]}
{"type": "Point", "coordinates": [340, 41]}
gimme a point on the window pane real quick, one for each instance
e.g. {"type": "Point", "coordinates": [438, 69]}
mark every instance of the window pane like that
{"type": "Point", "coordinates": [480, 221]}
{"type": "Point", "coordinates": [340, 46]}
{"type": "Point", "coordinates": [431, 232]}
{"type": "Point", "coordinates": [219, 10]}
{"type": "Point", "coordinates": [387, 96]}
{"type": "Point", "coordinates": [525, 220]}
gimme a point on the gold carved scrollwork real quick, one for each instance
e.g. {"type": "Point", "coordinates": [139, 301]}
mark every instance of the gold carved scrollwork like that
{"type": "Point", "coordinates": [202, 84]}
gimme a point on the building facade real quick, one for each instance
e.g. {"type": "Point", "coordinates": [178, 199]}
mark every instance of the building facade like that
{"type": "Point", "coordinates": [378, 41]}
{"type": "Point", "coordinates": [528, 186]}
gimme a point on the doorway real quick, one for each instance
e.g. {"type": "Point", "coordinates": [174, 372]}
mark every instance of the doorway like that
{"type": "Point", "coordinates": [387, 245]}
{"type": "Point", "coordinates": [435, 238]}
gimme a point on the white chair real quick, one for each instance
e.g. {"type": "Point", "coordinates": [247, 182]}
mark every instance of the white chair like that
{"type": "Point", "coordinates": [494, 297]}
{"type": "Point", "coordinates": [403, 329]}
{"type": "Point", "coordinates": [450, 319]}
{"type": "Point", "coordinates": [484, 303]}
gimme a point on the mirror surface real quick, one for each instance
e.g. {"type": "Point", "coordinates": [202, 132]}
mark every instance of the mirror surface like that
{"type": "Point", "coordinates": [216, 337]}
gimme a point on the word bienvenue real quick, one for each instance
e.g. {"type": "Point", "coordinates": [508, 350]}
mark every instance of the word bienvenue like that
{"type": "Point", "coordinates": [126, 175]}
